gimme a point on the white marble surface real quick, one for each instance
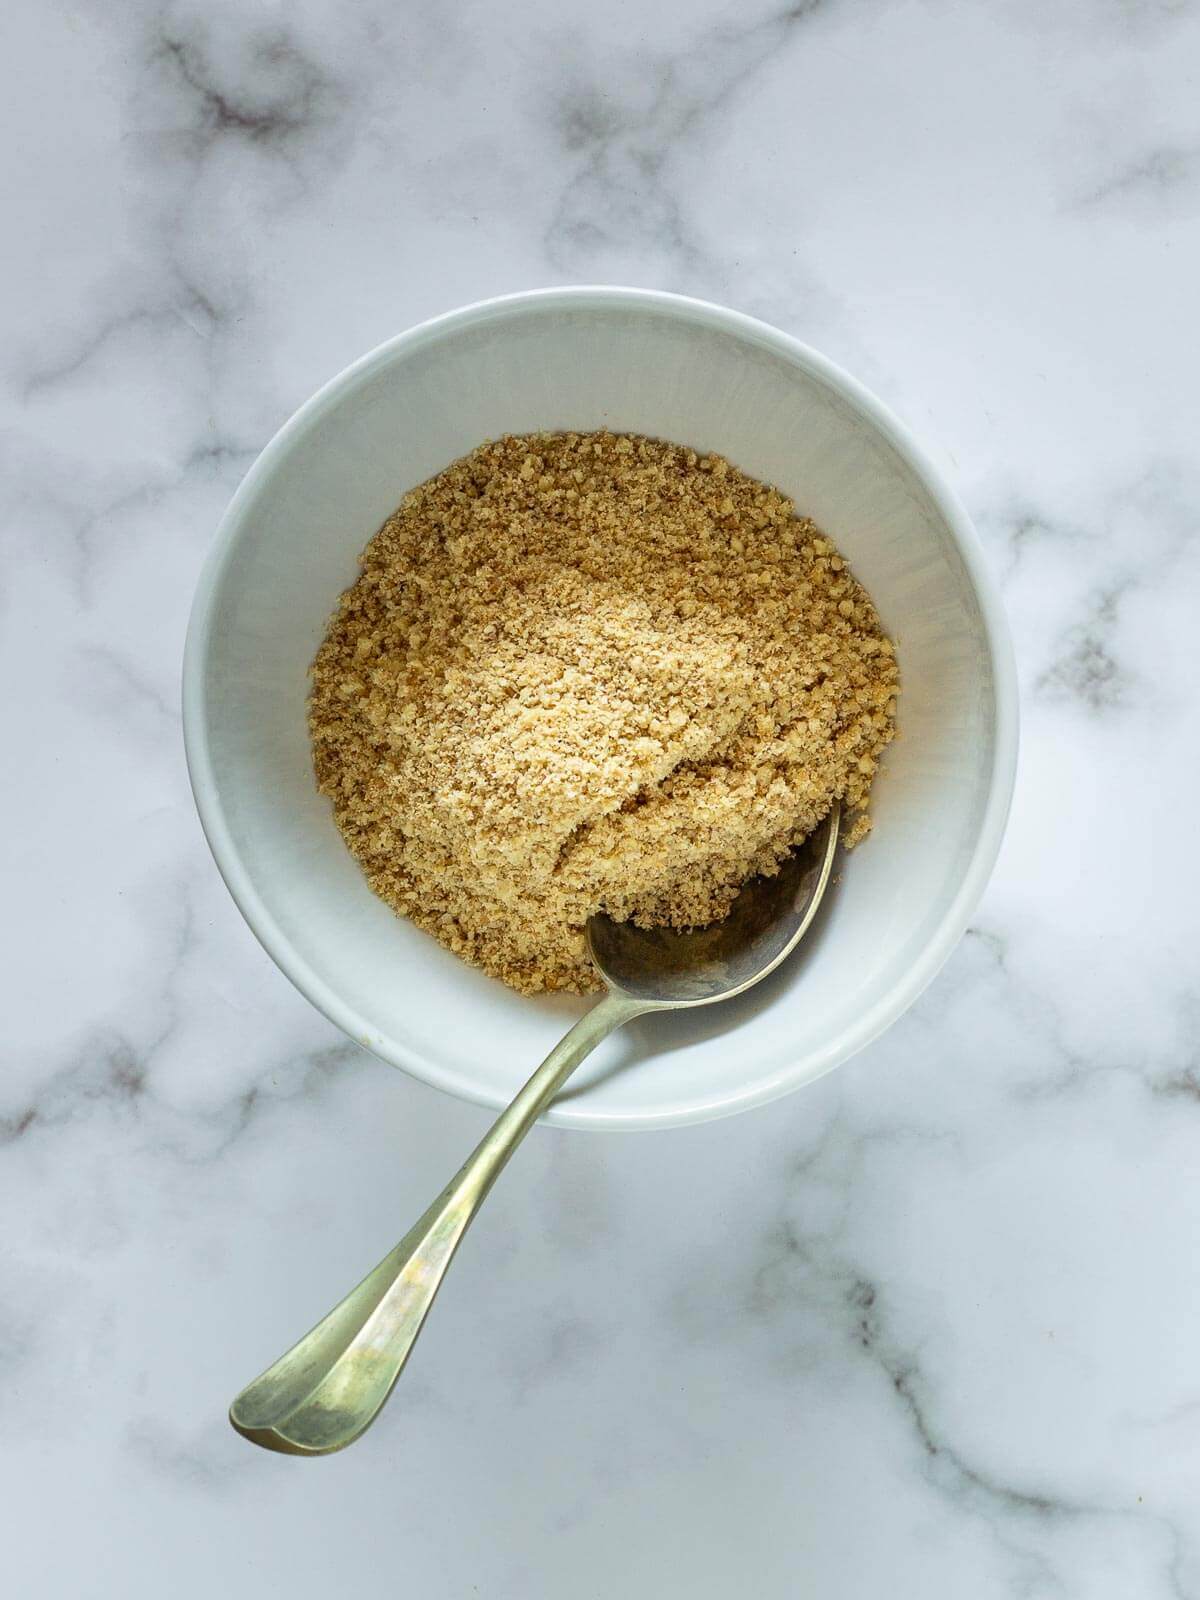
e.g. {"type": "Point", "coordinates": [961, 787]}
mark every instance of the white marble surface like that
{"type": "Point", "coordinates": [930, 1328]}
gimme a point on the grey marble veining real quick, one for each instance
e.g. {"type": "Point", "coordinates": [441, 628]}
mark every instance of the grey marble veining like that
{"type": "Point", "coordinates": [929, 1328]}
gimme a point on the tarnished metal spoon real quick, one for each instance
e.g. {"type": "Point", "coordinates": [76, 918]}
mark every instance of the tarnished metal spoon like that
{"type": "Point", "coordinates": [328, 1388]}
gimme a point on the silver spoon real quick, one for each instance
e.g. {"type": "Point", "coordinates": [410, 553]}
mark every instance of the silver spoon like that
{"type": "Point", "coordinates": [328, 1388]}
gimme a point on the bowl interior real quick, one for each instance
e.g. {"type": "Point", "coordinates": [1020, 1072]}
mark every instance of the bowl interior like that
{"type": "Point", "coordinates": [687, 373]}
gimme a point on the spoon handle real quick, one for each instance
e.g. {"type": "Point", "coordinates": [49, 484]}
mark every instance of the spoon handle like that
{"type": "Point", "coordinates": [326, 1390]}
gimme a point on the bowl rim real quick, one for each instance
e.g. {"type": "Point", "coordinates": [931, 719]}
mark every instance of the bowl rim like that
{"type": "Point", "coordinates": [577, 1114]}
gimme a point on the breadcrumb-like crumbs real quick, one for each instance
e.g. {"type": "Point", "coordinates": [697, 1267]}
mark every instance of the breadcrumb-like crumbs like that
{"type": "Point", "coordinates": [583, 672]}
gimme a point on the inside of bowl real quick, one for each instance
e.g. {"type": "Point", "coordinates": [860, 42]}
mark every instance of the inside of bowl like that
{"type": "Point", "coordinates": [321, 491]}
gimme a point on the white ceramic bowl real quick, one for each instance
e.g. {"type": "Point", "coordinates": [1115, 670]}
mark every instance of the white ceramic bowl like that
{"type": "Point", "coordinates": [648, 363]}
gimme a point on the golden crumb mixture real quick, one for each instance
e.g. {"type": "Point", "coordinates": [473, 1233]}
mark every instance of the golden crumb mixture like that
{"type": "Point", "coordinates": [591, 671]}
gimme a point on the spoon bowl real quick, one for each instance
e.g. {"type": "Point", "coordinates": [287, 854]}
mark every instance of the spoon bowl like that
{"type": "Point", "coordinates": [676, 967]}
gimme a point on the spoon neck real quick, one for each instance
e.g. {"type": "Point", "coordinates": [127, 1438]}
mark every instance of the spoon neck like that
{"type": "Point", "coordinates": [493, 1152]}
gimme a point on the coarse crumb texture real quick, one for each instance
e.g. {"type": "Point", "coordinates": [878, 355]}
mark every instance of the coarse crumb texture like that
{"type": "Point", "coordinates": [591, 671]}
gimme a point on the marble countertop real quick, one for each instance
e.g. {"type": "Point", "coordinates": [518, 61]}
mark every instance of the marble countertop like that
{"type": "Point", "coordinates": [929, 1328]}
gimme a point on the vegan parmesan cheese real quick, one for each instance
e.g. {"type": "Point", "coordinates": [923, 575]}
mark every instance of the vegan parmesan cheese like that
{"type": "Point", "coordinates": [592, 672]}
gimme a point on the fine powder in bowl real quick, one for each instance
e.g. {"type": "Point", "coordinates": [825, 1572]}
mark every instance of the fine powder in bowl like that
{"type": "Point", "coordinates": [584, 672]}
